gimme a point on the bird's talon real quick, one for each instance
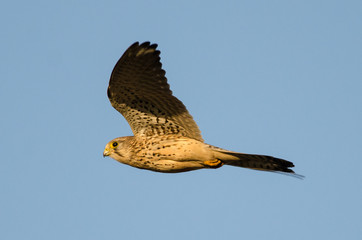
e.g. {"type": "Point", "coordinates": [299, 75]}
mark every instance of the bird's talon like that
{"type": "Point", "coordinates": [213, 163]}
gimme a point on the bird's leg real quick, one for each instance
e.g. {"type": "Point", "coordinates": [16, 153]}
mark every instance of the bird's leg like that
{"type": "Point", "coordinates": [215, 163]}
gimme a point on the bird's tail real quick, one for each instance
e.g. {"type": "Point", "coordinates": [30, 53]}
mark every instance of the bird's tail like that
{"type": "Point", "coordinates": [253, 161]}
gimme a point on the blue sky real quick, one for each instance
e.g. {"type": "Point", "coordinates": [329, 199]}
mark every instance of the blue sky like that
{"type": "Point", "coordinates": [282, 78]}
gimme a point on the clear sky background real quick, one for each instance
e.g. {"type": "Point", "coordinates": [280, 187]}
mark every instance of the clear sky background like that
{"type": "Point", "coordinates": [282, 78]}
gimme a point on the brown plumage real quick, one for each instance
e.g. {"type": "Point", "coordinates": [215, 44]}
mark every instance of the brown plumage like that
{"type": "Point", "coordinates": [166, 138]}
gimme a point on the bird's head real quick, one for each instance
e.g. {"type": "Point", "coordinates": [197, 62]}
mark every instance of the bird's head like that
{"type": "Point", "coordinates": [117, 148]}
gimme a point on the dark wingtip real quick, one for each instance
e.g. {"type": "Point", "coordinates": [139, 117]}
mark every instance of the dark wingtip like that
{"type": "Point", "coordinates": [154, 45]}
{"type": "Point", "coordinates": [135, 44]}
{"type": "Point", "coordinates": [146, 44]}
{"type": "Point", "coordinates": [135, 47]}
{"type": "Point", "coordinates": [108, 93]}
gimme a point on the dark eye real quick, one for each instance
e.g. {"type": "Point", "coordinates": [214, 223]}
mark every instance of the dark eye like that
{"type": "Point", "coordinates": [115, 144]}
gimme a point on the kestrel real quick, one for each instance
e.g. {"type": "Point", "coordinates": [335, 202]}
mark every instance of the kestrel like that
{"type": "Point", "coordinates": [166, 138]}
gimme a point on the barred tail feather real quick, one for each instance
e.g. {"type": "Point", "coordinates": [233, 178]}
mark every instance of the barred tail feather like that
{"type": "Point", "coordinates": [257, 162]}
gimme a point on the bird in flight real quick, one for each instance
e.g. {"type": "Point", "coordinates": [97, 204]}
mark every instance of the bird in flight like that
{"type": "Point", "coordinates": [166, 138]}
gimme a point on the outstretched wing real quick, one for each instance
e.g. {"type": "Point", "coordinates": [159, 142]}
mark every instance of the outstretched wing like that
{"type": "Point", "coordinates": [138, 89]}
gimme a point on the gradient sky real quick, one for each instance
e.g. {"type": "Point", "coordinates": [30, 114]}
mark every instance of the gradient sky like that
{"type": "Point", "coordinates": [282, 78]}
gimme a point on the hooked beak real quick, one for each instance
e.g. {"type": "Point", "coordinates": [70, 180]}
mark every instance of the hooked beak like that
{"type": "Point", "coordinates": [106, 152]}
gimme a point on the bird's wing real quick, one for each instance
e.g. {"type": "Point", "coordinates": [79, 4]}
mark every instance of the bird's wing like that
{"type": "Point", "coordinates": [138, 89]}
